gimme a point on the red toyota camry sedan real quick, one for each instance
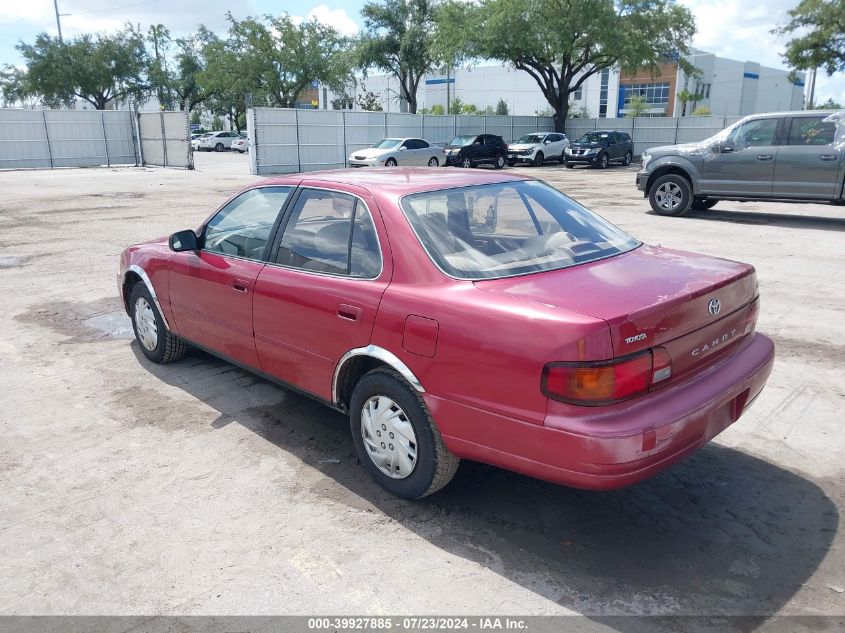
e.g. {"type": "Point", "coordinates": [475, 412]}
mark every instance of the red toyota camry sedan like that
{"type": "Point", "coordinates": [461, 315]}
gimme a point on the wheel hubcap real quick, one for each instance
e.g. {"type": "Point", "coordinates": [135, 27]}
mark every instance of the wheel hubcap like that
{"type": "Point", "coordinates": [500, 161]}
{"type": "Point", "coordinates": [388, 437]}
{"type": "Point", "coordinates": [669, 196]}
{"type": "Point", "coordinates": [145, 324]}
{"type": "Point", "coordinates": [432, 162]}
{"type": "Point", "coordinates": [467, 163]}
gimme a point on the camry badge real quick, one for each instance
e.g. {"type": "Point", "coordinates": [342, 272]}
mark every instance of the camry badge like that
{"type": "Point", "coordinates": [714, 306]}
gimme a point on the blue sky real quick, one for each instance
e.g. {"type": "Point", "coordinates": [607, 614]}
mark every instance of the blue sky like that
{"type": "Point", "coordinates": [739, 29]}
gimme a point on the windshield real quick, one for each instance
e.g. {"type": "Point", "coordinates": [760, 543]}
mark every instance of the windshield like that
{"type": "Point", "coordinates": [532, 138]}
{"type": "Point", "coordinates": [387, 143]}
{"type": "Point", "coordinates": [593, 137]}
{"type": "Point", "coordinates": [506, 229]}
{"type": "Point", "coordinates": [462, 140]}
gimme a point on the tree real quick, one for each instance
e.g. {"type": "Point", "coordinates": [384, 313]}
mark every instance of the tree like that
{"type": "Point", "coordinates": [159, 37]}
{"type": "Point", "coordinates": [190, 62]}
{"type": "Point", "coordinates": [685, 97]}
{"type": "Point", "coordinates": [96, 68]}
{"type": "Point", "coordinates": [398, 39]}
{"type": "Point", "coordinates": [819, 26]}
{"type": "Point", "coordinates": [561, 43]}
{"type": "Point", "coordinates": [222, 81]}
{"type": "Point", "coordinates": [369, 101]}
{"type": "Point", "coordinates": [702, 110]}
{"type": "Point", "coordinates": [637, 106]}
{"type": "Point", "coordinates": [830, 104]}
{"type": "Point", "coordinates": [469, 108]}
{"type": "Point", "coordinates": [281, 57]}
{"type": "Point", "coordinates": [502, 107]}
{"type": "Point", "coordinates": [456, 106]}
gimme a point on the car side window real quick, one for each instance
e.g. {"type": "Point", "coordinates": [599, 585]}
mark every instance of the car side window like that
{"type": "Point", "coordinates": [243, 226]}
{"type": "Point", "coordinates": [330, 232]}
{"type": "Point", "coordinates": [421, 144]}
{"type": "Point", "coordinates": [757, 133]}
{"type": "Point", "coordinates": [811, 131]}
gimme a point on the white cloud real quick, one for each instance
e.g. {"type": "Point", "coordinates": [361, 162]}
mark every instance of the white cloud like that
{"type": "Point", "coordinates": [337, 18]}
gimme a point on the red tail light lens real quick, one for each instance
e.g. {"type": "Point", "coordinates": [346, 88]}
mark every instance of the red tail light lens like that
{"type": "Point", "coordinates": [605, 382]}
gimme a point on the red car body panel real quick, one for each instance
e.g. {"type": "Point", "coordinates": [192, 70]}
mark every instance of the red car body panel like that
{"type": "Point", "coordinates": [478, 348]}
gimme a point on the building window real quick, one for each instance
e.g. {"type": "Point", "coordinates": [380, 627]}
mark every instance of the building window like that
{"type": "Point", "coordinates": [605, 80]}
{"type": "Point", "coordinates": [578, 94]}
{"type": "Point", "coordinates": [654, 93]}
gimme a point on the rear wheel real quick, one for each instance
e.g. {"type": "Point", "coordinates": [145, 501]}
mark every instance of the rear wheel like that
{"type": "Point", "coordinates": [155, 340]}
{"type": "Point", "coordinates": [538, 159]}
{"type": "Point", "coordinates": [628, 158]}
{"type": "Point", "coordinates": [219, 147]}
{"type": "Point", "coordinates": [390, 162]}
{"type": "Point", "coordinates": [500, 161]}
{"type": "Point", "coordinates": [397, 440]}
{"type": "Point", "coordinates": [670, 195]}
{"type": "Point", "coordinates": [433, 162]}
{"type": "Point", "coordinates": [700, 204]}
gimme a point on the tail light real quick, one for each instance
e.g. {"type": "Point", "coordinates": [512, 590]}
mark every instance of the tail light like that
{"type": "Point", "coordinates": [753, 313]}
{"type": "Point", "coordinates": [608, 381]}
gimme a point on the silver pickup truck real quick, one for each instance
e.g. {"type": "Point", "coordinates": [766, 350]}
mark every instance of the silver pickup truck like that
{"type": "Point", "coordinates": [779, 156]}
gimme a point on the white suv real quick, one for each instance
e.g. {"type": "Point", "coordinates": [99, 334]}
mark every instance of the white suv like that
{"type": "Point", "coordinates": [537, 147]}
{"type": "Point", "coordinates": [219, 141]}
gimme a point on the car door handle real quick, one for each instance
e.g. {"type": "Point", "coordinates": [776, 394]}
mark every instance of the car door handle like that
{"type": "Point", "coordinates": [828, 157]}
{"type": "Point", "coordinates": [765, 156]}
{"type": "Point", "coordinates": [239, 285]}
{"type": "Point", "coordinates": [348, 313]}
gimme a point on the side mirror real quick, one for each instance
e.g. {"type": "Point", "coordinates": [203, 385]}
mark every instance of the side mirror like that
{"type": "Point", "coordinates": [547, 142]}
{"type": "Point", "coordinates": [725, 147]}
{"type": "Point", "coordinates": [183, 241]}
{"type": "Point", "coordinates": [402, 148]}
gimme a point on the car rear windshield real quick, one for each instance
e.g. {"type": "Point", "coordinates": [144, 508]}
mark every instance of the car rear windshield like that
{"type": "Point", "coordinates": [506, 229]}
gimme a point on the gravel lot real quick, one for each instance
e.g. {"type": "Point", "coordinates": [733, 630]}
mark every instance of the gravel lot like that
{"type": "Point", "coordinates": [196, 488]}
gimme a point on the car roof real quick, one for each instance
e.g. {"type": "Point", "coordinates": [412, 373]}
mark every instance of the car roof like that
{"type": "Point", "coordinates": [399, 181]}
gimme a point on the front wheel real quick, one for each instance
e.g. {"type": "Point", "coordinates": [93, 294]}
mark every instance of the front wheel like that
{"type": "Point", "coordinates": [390, 162]}
{"type": "Point", "coordinates": [433, 162]}
{"type": "Point", "coordinates": [500, 161]}
{"type": "Point", "coordinates": [397, 441]}
{"type": "Point", "coordinates": [603, 161]}
{"type": "Point", "coordinates": [466, 163]}
{"type": "Point", "coordinates": [700, 204]}
{"type": "Point", "coordinates": [670, 195]}
{"type": "Point", "coordinates": [568, 164]}
{"type": "Point", "coordinates": [157, 343]}
{"type": "Point", "coordinates": [538, 159]}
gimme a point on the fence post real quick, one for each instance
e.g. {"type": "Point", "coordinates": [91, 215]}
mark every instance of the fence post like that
{"type": "Point", "coordinates": [345, 150]}
{"type": "Point", "coordinates": [135, 124]}
{"type": "Point", "coordinates": [422, 125]}
{"type": "Point", "coordinates": [298, 153]}
{"type": "Point", "coordinates": [163, 138]}
{"type": "Point", "coordinates": [189, 158]}
{"type": "Point", "coordinates": [385, 125]}
{"type": "Point", "coordinates": [513, 138]}
{"type": "Point", "coordinates": [677, 125]}
{"type": "Point", "coordinates": [105, 140]}
{"type": "Point", "coordinates": [484, 126]}
{"type": "Point", "coordinates": [252, 133]}
{"type": "Point", "coordinates": [47, 136]}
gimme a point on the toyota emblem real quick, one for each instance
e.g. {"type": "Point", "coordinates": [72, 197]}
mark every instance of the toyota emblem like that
{"type": "Point", "coordinates": [714, 306]}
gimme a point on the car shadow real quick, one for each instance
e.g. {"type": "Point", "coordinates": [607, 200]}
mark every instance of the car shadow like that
{"type": "Point", "coordinates": [785, 220]}
{"type": "Point", "coordinates": [723, 533]}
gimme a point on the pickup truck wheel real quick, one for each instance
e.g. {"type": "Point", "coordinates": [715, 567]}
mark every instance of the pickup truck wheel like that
{"type": "Point", "coordinates": [397, 441]}
{"type": "Point", "coordinates": [700, 204]}
{"type": "Point", "coordinates": [157, 343]}
{"type": "Point", "coordinates": [670, 195]}
{"type": "Point", "coordinates": [538, 159]}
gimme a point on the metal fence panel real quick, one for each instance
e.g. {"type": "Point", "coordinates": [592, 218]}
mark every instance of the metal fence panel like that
{"type": "Point", "coordinates": [23, 140]}
{"type": "Point", "coordinates": [363, 129]}
{"type": "Point", "coordinates": [469, 124]}
{"type": "Point", "coordinates": [76, 138]}
{"type": "Point", "coordinates": [152, 139]}
{"type": "Point", "coordinates": [176, 139]}
{"type": "Point", "coordinates": [120, 141]}
{"type": "Point", "coordinates": [653, 131]}
{"type": "Point", "coordinates": [274, 141]}
{"type": "Point", "coordinates": [321, 144]}
{"type": "Point", "coordinates": [401, 125]}
{"type": "Point", "coordinates": [524, 125]}
{"type": "Point", "coordinates": [438, 129]}
{"type": "Point", "coordinates": [698, 128]}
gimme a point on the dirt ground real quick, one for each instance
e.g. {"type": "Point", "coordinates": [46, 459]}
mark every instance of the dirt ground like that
{"type": "Point", "coordinates": [196, 488]}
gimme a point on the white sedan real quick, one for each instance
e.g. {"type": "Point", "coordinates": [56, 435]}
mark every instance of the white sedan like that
{"type": "Point", "coordinates": [241, 144]}
{"type": "Point", "coordinates": [537, 147]}
{"type": "Point", "coordinates": [391, 152]}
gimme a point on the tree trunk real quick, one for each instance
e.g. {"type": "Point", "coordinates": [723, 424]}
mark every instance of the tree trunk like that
{"type": "Point", "coordinates": [560, 115]}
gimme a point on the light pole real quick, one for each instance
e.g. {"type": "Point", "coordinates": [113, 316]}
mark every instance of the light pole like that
{"type": "Point", "coordinates": [58, 20]}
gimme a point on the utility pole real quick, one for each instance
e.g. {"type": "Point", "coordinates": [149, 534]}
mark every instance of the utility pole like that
{"type": "Point", "coordinates": [58, 20]}
{"type": "Point", "coordinates": [812, 89]}
{"type": "Point", "coordinates": [447, 88]}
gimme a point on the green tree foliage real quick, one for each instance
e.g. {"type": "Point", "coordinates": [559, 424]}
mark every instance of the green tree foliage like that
{"type": "Point", "coordinates": [95, 68]}
{"type": "Point", "coordinates": [456, 106]}
{"type": "Point", "coordinates": [188, 65]}
{"type": "Point", "coordinates": [398, 39]}
{"type": "Point", "coordinates": [158, 37]}
{"type": "Point", "coordinates": [702, 110]}
{"type": "Point", "coordinates": [830, 104]}
{"type": "Point", "coordinates": [369, 101]}
{"type": "Point", "coordinates": [819, 30]}
{"type": "Point", "coordinates": [561, 43]}
{"type": "Point", "coordinates": [685, 97]}
{"type": "Point", "coordinates": [279, 58]}
{"type": "Point", "coordinates": [636, 106]}
{"type": "Point", "coordinates": [502, 107]}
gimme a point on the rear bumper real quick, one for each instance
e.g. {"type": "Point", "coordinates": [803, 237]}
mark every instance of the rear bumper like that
{"type": "Point", "coordinates": [603, 448]}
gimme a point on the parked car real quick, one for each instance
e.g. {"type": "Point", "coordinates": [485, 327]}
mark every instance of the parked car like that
{"type": "Point", "coordinates": [780, 156]}
{"type": "Point", "coordinates": [196, 139]}
{"type": "Point", "coordinates": [391, 152]}
{"type": "Point", "coordinates": [470, 150]}
{"type": "Point", "coordinates": [600, 148]}
{"type": "Point", "coordinates": [241, 144]}
{"type": "Point", "coordinates": [218, 141]}
{"type": "Point", "coordinates": [453, 315]}
{"type": "Point", "coordinates": [537, 147]}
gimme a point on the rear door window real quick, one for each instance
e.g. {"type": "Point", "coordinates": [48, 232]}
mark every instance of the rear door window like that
{"type": "Point", "coordinates": [811, 131]}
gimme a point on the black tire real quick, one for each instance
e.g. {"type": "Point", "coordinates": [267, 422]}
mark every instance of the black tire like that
{"type": "Point", "coordinates": [603, 161]}
{"type": "Point", "coordinates": [169, 347]}
{"type": "Point", "coordinates": [390, 162]}
{"type": "Point", "coordinates": [219, 147]}
{"type": "Point", "coordinates": [628, 158]}
{"type": "Point", "coordinates": [568, 164]}
{"type": "Point", "coordinates": [433, 162]}
{"type": "Point", "coordinates": [538, 159]}
{"type": "Point", "coordinates": [700, 204]}
{"type": "Point", "coordinates": [511, 163]}
{"type": "Point", "coordinates": [466, 162]}
{"type": "Point", "coordinates": [434, 466]}
{"type": "Point", "coordinates": [670, 186]}
{"type": "Point", "coordinates": [500, 161]}
{"type": "Point", "coordinates": [562, 158]}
